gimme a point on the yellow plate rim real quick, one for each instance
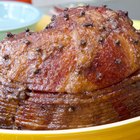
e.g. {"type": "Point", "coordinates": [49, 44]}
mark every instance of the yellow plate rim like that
{"type": "Point", "coordinates": [70, 131]}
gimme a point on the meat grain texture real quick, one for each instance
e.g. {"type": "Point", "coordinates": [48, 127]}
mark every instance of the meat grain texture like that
{"type": "Point", "coordinates": [82, 70]}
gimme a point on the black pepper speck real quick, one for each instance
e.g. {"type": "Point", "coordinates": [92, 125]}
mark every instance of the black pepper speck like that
{"type": "Point", "coordinates": [78, 71]}
{"type": "Point", "coordinates": [136, 42]}
{"type": "Point", "coordinates": [9, 35]}
{"type": "Point", "coordinates": [27, 30]}
{"type": "Point", "coordinates": [66, 16]}
{"type": "Point", "coordinates": [23, 96]}
{"type": "Point", "coordinates": [13, 118]}
{"type": "Point", "coordinates": [126, 13]}
{"type": "Point", "coordinates": [19, 128]}
{"type": "Point", "coordinates": [66, 9]}
{"type": "Point", "coordinates": [87, 6]}
{"type": "Point", "coordinates": [83, 42]}
{"type": "Point", "coordinates": [37, 71]}
{"type": "Point", "coordinates": [88, 24]}
{"type": "Point", "coordinates": [101, 40]}
{"type": "Point", "coordinates": [102, 27]}
{"type": "Point", "coordinates": [43, 107]}
{"type": "Point", "coordinates": [118, 61]}
{"type": "Point", "coordinates": [104, 6]}
{"type": "Point", "coordinates": [50, 26]}
{"type": "Point", "coordinates": [27, 42]}
{"type": "Point", "coordinates": [28, 90]}
{"type": "Point", "coordinates": [99, 76]}
{"type": "Point", "coordinates": [131, 22]}
{"type": "Point", "coordinates": [82, 13]}
{"type": "Point", "coordinates": [60, 47]}
{"type": "Point", "coordinates": [71, 109]}
{"type": "Point", "coordinates": [138, 31]}
{"type": "Point", "coordinates": [6, 57]}
{"type": "Point", "coordinates": [117, 42]}
{"type": "Point", "coordinates": [39, 50]}
{"type": "Point", "coordinates": [47, 27]}
{"type": "Point", "coordinates": [53, 17]}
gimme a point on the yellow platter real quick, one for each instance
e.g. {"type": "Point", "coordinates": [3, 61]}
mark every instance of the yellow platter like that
{"type": "Point", "coordinates": [123, 130]}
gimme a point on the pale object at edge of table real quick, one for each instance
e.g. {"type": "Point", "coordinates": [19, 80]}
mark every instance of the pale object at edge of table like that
{"type": "Point", "coordinates": [46, 20]}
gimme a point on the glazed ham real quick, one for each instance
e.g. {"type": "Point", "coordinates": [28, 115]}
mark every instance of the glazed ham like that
{"type": "Point", "coordinates": [82, 70]}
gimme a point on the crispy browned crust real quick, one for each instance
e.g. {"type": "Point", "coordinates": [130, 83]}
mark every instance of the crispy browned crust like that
{"type": "Point", "coordinates": [82, 70]}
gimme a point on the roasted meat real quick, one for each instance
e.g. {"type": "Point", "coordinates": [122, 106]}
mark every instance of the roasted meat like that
{"type": "Point", "coordinates": [82, 70]}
